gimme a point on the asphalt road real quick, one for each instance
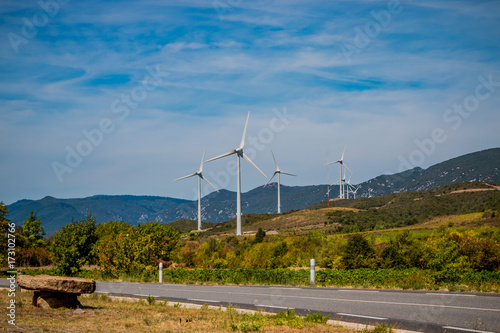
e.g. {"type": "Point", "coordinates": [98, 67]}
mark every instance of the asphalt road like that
{"type": "Point", "coordinates": [422, 311]}
{"type": "Point", "coordinates": [413, 310]}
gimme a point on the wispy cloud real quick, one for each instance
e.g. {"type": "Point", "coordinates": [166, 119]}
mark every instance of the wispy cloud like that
{"type": "Point", "coordinates": [259, 56]}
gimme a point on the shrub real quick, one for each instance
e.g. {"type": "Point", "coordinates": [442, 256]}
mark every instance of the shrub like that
{"type": "Point", "coordinates": [358, 253]}
{"type": "Point", "coordinates": [72, 245]}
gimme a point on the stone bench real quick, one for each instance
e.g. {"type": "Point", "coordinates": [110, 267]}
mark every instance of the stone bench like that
{"type": "Point", "coordinates": [56, 291]}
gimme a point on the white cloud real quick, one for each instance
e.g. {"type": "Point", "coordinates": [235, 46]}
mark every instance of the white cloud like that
{"type": "Point", "coordinates": [259, 56]}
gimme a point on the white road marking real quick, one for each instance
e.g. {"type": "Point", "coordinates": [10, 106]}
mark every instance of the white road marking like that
{"type": "Point", "coordinates": [142, 295]}
{"type": "Point", "coordinates": [202, 300]}
{"type": "Point", "coordinates": [360, 291]}
{"type": "Point", "coordinates": [360, 316]}
{"type": "Point", "coordinates": [441, 294]}
{"type": "Point", "coordinates": [465, 329]}
{"type": "Point", "coordinates": [273, 307]}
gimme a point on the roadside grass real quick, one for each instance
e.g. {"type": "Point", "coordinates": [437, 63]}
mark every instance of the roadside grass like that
{"type": "Point", "coordinates": [104, 313]}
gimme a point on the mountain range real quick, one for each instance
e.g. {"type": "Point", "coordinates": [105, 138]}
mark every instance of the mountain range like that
{"type": "Point", "coordinates": [54, 213]}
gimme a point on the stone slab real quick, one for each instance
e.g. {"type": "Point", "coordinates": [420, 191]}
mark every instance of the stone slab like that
{"type": "Point", "coordinates": [59, 284]}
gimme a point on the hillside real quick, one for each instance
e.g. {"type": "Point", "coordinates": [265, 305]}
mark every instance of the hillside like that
{"type": "Point", "coordinates": [482, 166]}
{"type": "Point", "coordinates": [412, 209]}
{"type": "Point", "coordinates": [221, 206]}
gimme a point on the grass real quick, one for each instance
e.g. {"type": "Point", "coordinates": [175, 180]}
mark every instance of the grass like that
{"type": "Point", "coordinates": [104, 313]}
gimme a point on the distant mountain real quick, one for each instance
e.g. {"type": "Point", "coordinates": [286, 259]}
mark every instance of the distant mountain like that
{"type": "Point", "coordinates": [55, 213]}
{"type": "Point", "coordinates": [219, 207]}
{"type": "Point", "coordinates": [482, 166]}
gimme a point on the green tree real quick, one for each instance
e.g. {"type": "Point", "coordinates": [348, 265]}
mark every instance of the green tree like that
{"type": "Point", "coordinates": [33, 231]}
{"type": "Point", "coordinates": [259, 237]}
{"type": "Point", "coordinates": [358, 253]}
{"type": "Point", "coordinates": [72, 245]}
{"type": "Point", "coordinates": [128, 248]}
{"type": "Point", "coordinates": [4, 226]}
{"type": "Point", "coordinates": [402, 252]}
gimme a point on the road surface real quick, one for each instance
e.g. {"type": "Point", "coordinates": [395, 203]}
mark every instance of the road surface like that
{"type": "Point", "coordinates": [423, 311]}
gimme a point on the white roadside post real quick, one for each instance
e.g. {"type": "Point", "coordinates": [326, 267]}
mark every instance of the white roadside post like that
{"type": "Point", "coordinates": [313, 271]}
{"type": "Point", "coordinates": [161, 272]}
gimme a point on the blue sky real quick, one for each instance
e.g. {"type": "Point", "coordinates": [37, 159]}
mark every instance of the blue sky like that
{"type": "Point", "coordinates": [122, 97]}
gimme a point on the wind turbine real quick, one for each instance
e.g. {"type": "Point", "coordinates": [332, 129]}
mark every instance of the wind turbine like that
{"type": "Point", "coordinates": [341, 181]}
{"type": "Point", "coordinates": [278, 172]}
{"type": "Point", "coordinates": [347, 184]}
{"type": "Point", "coordinates": [354, 190]}
{"type": "Point", "coordinates": [199, 173]}
{"type": "Point", "coordinates": [239, 153]}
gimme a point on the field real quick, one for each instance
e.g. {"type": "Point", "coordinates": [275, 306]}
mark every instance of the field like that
{"type": "Point", "coordinates": [103, 313]}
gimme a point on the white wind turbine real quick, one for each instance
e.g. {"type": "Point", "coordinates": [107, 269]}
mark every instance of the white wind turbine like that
{"type": "Point", "coordinates": [278, 172]}
{"type": "Point", "coordinates": [342, 180]}
{"type": "Point", "coordinates": [348, 185]}
{"type": "Point", "coordinates": [239, 153]}
{"type": "Point", "coordinates": [199, 173]}
{"type": "Point", "coordinates": [354, 189]}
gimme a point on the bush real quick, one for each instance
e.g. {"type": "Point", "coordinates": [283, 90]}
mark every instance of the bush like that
{"type": "Point", "coordinates": [135, 248]}
{"type": "Point", "coordinates": [358, 253]}
{"type": "Point", "coordinates": [72, 245]}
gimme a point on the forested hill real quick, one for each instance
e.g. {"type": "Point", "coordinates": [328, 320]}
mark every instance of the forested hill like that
{"type": "Point", "coordinates": [219, 207]}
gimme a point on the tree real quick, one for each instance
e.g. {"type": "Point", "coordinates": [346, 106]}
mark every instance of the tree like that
{"type": "Point", "coordinates": [358, 253]}
{"type": "Point", "coordinates": [33, 231]}
{"type": "Point", "coordinates": [4, 226]}
{"type": "Point", "coordinates": [259, 237]}
{"type": "Point", "coordinates": [72, 245]}
{"type": "Point", "coordinates": [129, 248]}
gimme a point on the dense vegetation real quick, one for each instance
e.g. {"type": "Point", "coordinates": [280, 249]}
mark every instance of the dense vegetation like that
{"type": "Point", "coordinates": [403, 209]}
{"type": "Point", "coordinates": [425, 257]}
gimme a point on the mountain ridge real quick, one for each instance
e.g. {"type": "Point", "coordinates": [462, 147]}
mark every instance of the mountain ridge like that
{"type": "Point", "coordinates": [221, 206]}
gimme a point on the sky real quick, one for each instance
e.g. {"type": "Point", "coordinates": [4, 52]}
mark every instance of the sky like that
{"type": "Point", "coordinates": [123, 97]}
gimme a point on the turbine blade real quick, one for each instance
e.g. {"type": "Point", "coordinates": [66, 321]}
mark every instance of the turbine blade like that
{"type": "Point", "coordinates": [274, 174]}
{"type": "Point", "coordinates": [252, 163]}
{"type": "Point", "coordinates": [221, 156]}
{"type": "Point", "coordinates": [276, 164]}
{"type": "Point", "coordinates": [333, 162]}
{"type": "Point", "coordinates": [347, 169]}
{"type": "Point", "coordinates": [202, 160]}
{"type": "Point", "coordinates": [245, 132]}
{"type": "Point", "coordinates": [342, 158]}
{"type": "Point", "coordinates": [191, 175]}
{"type": "Point", "coordinates": [209, 183]}
{"type": "Point", "coordinates": [286, 173]}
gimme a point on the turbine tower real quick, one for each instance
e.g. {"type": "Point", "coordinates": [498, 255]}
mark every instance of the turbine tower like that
{"type": "Point", "coordinates": [341, 183]}
{"type": "Point", "coordinates": [278, 172]}
{"type": "Point", "coordinates": [239, 153]}
{"type": "Point", "coordinates": [347, 184]}
{"type": "Point", "coordinates": [200, 177]}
